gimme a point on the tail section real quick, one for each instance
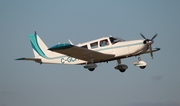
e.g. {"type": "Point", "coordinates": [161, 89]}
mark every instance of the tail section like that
{"type": "Point", "coordinates": [41, 52]}
{"type": "Point", "coordinates": [44, 56]}
{"type": "Point", "coordinates": [39, 47]}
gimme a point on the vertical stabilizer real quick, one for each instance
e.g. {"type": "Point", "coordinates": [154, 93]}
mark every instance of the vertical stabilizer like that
{"type": "Point", "coordinates": [39, 47]}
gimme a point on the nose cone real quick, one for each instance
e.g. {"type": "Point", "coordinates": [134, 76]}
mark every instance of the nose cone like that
{"type": "Point", "coordinates": [150, 42]}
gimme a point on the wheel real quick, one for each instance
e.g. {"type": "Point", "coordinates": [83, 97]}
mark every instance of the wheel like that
{"type": "Point", "coordinates": [142, 67]}
{"type": "Point", "coordinates": [122, 70]}
{"type": "Point", "coordinates": [91, 69]}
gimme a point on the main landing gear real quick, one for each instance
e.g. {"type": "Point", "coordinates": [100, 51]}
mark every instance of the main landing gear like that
{"type": "Point", "coordinates": [141, 64]}
{"type": "Point", "coordinates": [90, 66]}
{"type": "Point", "coordinates": [121, 67]}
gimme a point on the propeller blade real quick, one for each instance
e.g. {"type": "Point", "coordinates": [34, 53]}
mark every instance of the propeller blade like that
{"type": "Point", "coordinates": [142, 35]}
{"type": "Point", "coordinates": [150, 47]}
{"type": "Point", "coordinates": [154, 36]}
{"type": "Point", "coordinates": [149, 42]}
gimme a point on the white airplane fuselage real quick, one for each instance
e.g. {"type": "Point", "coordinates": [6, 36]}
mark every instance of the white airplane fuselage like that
{"type": "Point", "coordinates": [89, 53]}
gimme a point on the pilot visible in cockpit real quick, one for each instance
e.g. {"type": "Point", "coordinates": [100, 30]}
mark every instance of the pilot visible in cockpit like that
{"type": "Point", "coordinates": [104, 43]}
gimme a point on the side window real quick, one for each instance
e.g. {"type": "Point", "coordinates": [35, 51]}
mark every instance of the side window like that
{"type": "Point", "coordinates": [104, 43]}
{"type": "Point", "coordinates": [85, 46]}
{"type": "Point", "coordinates": [94, 45]}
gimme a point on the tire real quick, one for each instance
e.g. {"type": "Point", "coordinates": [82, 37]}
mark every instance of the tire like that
{"type": "Point", "coordinates": [91, 69]}
{"type": "Point", "coordinates": [142, 67]}
{"type": "Point", "coordinates": [122, 70]}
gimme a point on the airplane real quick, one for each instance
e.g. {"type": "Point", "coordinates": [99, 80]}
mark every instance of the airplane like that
{"type": "Point", "coordinates": [90, 53]}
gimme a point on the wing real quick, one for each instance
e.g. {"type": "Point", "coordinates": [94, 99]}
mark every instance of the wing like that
{"type": "Point", "coordinates": [80, 52]}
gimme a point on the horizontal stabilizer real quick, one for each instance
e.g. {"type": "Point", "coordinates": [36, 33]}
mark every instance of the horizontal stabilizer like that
{"type": "Point", "coordinates": [32, 59]}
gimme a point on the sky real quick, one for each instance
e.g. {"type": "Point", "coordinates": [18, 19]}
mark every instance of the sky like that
{"type": "Point", "coordinates": [25, 83]}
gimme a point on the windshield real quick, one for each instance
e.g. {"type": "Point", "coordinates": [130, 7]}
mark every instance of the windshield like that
{"type": "Point", "coordinates": [115, 40]}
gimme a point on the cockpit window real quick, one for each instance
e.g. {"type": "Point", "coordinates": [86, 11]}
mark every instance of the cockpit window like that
{"type": "Point", "coordinates": [104, 43]}
{"type": "Point", "coordinates": [115, 40]}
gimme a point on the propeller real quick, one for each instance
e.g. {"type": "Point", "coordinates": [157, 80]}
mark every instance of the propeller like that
{"type": "Point", "coordinates": [149, 42]}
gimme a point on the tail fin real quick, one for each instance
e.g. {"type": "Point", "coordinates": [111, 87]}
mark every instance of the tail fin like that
{"type": "Point", "coordinates": [39, 47]}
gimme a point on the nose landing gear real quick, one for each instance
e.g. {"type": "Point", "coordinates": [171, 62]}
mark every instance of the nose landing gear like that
{"type": "Point", "coordinates": [140, 63]}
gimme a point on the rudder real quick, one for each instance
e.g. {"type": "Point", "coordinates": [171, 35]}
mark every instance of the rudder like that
{"type": "Point", "coordinates": [39, 47]}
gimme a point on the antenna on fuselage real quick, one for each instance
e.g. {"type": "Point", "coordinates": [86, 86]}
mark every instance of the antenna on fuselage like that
{"type": "Point", "coordinates": [70, 42]}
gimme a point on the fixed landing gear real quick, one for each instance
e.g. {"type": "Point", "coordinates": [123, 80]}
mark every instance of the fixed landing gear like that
{"type": "Point", "coordinates": [141, 64]}
{"type": "Point", "coordinates": [90, 66]}
{"type": "Point", "coordinates": [121, 67]}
